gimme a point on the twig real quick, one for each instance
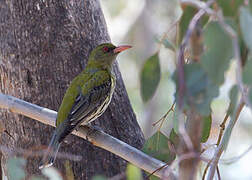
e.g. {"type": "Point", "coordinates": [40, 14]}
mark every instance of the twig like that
{"type": "Point", "coordinates": [166, 33]}
{"type": "Point", "coordinates": [234, 159]}
{"type": "Point", "coordinates": [222, 128]}
{"type": "Point", "coordinates": [218, 173]}
{"type": "Point", "coordinates": [164, 116]}
{"type": "Point", "coordinates": [182, 157]}
{"type": "Point", "coordinates": [38, 152]}
{"type": "Point", "coordinates": [188, 167]}
{"type": "Point", "coordinates": [157, 170]}
{"type": "Point", "coordinates": [205, 170]}
{"type": "Point", "coordinates": [224, 141]}
{"type": "Point", "coordinates": [97, 138]}
{"type": "Point", "coordinates": [181, 78]}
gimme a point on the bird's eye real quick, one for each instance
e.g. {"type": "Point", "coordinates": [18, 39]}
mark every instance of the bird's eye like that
{"type": "Point", "coordinates": [105, 49]}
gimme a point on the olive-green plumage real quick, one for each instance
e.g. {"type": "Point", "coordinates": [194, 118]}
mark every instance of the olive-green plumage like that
{"type": "Point", "coordinates": [86, 98]}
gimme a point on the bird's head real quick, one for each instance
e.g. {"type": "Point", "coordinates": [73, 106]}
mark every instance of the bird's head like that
{"type": "Point", "coordinates": [105, 54]}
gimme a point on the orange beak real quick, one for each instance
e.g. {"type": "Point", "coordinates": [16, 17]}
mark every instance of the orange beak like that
{"type": "Point", "coordinates": [119, 49]}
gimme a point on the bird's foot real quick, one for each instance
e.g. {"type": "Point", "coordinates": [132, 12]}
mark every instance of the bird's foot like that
{"type": "Point", "coordinates": [92, 130]}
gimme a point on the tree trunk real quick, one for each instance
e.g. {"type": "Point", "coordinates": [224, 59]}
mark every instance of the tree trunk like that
{"type": "Point", "coordinates": [43, 45]}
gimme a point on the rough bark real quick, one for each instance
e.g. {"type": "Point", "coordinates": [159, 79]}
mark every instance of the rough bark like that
{"type": "Point", "coordinates": [43, 45]}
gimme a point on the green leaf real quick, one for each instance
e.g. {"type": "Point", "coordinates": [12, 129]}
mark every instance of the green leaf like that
{"type": "Point", "coordinates": [150, 77]}
{"type": "Point", "coordinates": [51, 173]}
{"type": "Point", "coordinates": [36, 178]}
{"type": "Point", "coordinates": [219, 51]}
{"type": "Point", "coordinates": [174, 138]}
{"type": "Point", "coordinates": [206, 128]}
{"type": "Point", "coordinates": [188, 13]}
{"type": "Point", "coordinates": [230, 7]}
{"type": "Point", "coordinates": [246, 26]}
{"type": "Point", "coordinates": [157, 147]}
{"type": "Point", "coordinates": [185, 19]}
{"type": "Point", "coordinates": [247, 71]}
{"type": "Point", "coordinates": [153, 177]}
{"type": "Point", "coordinates": [200, 90]}
{"type": "Point", "coordinates": [69, 171]}
{"type": "Point", "coordinates": [133, 173]}
{"type": "Point", "coordinates": [98, 177]}
{"type": "Point", "coordinates": [247, 74]}
{"type": "Point", "coordinates": [233, 95]}
{"type": "Point", "coordinates": [250, 6]}
{"type": "Point", "coordinates": [15, 168]}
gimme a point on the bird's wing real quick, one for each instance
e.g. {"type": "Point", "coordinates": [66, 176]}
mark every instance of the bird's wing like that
{"type": "Point", "coordinates": [90, 96]}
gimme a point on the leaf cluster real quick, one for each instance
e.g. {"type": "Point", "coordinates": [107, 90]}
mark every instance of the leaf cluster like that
{"type": "Point", "coordinates": [203, 77]}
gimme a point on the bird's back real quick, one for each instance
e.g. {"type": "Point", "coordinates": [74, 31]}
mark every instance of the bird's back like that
{"type": "Point", "coordinates": [94, 86]}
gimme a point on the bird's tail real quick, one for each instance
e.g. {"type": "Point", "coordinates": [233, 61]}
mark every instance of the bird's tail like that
{"type": "Point", "coordinates": [51, 153]}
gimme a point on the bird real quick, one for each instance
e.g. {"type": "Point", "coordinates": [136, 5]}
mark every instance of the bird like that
{"type": "Point", "coordinates": [86, 98]}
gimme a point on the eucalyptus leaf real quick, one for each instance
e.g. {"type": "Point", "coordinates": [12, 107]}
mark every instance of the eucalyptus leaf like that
{"type": "Point", "coordinates": [207, 122]}
{"type": "Point", "coordinates": [247, 74]}
{"type": "Point", "coordinates": [199, 91]}
{"type": "Point", "coordinates": [157, 147]}
{"type": "Point", "coordinates": [247, 71]}
{"type": "Point", "coordinates": [219, 51]}
{"type": "Point", "coordinates": [233, 95]}
{"type": "Point", "coordinates": [15, 168]}
{"type": "Point", "coordinates": [133, 173]}
{"type": "Point", "coordinates": [69, 171]}
{"type": "Point", "coordinates": [188, 13]}
{"type": "Point", "coordinates": [36, 178]}
{"type": "Point", "coordinates": [99, 177]}
{"type": "Point", "coordinates": [174, 138]}
{"type": "Point", "coordinates": [150, 77]}
{"type": "Point", "coordinates": [230, 7]}
{"type": "Point", "coordinates": [246, 26]}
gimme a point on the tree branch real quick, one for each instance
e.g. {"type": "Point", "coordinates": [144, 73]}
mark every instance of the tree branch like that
{"type": "Point", "coordinates": [188, 167]}
{"type": "Point", "coordinates": [97, 138]}
{"type": "Point", "coordinates": [224, 141]}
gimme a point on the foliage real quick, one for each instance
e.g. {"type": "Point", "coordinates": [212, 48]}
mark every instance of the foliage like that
{"type": "Point", "coordinates": [157, 146]}
{"type": "Point", "coordinates": [16, 171]}
{"type": "Point", "coordinates": [133, 173]}
{"type": "Point", "coordinates": [16, 168]}
{"type": "Point", "coordinates": [218, 53]}
{"type": "Point", "coordinates": [150, 77]}
{"type": "Point", "coordinates": [204, 78]}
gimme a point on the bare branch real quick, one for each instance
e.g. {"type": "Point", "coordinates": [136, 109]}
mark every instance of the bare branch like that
{"type": "Point", "coordinates": [97, 138]}
{"type": "Point", "coordinates": [237, 158]}
{"type": "Point", "coordinates": [181, 78]}
{"type": "Point", "coordinates": [223, 143]}
{"type": "Point", "coordinates": [37, 152]}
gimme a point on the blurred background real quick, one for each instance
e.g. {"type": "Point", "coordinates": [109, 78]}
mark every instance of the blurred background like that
{"type": "Point", "coordinates": [140, 23]}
